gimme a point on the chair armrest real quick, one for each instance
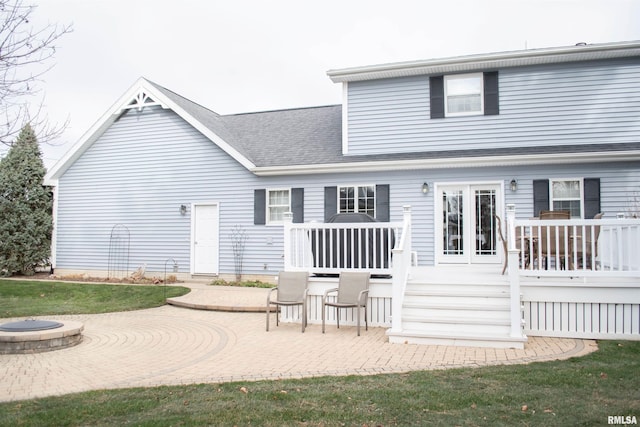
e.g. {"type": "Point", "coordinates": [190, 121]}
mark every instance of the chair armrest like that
{"type": "Point", "coordinates": [328, 291]}
{"type": "Point", "coordinates": [362, 296]}
{"type": "Point", "coordinates": [269, 294]}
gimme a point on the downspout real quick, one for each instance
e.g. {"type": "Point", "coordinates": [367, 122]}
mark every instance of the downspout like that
{"type": "Point", "coordinates": [54, 230]}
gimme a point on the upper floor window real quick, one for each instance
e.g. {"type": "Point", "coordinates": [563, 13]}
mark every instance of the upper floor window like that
{"type": "Point", "coordinates": [567, 195]}
{"type": "Point", "coordinates": [278, 202]}
{"type": "Point", "coordinates": [359, 198]}
{"type": "Point", "coordinates": [463, 94]}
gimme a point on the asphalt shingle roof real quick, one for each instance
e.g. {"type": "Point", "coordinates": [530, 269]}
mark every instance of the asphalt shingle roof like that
{"type": "Point", "coordinates": [313, 136]}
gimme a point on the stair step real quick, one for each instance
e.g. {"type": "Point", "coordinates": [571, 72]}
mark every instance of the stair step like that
{"type": "Point", "coordinates": [408, 336]}
{"type": "Point", "coordinates": [480, 293]}
{"type": "Point", "coordinates": [456, 320]}
{"type": "Point", "coordinates": [458, 328]}
{"type": "Point", "coordinates": [461, 306]}
{"type": "Point", "coordinates": [463, 316]}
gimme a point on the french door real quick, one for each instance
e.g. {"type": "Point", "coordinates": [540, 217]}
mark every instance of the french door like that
{"type": "Point", "coordinates": [465, 225]}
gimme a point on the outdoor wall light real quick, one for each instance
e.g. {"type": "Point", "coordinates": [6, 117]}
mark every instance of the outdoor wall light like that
{"type": "Point", "coordinates": [183, 209]}
{"type": "Point", "coordinates": [425, 188]}
{"type": "Point", "coordinates": [514, 185]}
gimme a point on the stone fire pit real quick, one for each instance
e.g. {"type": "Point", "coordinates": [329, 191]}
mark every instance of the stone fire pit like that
{"type": "Point", "coordinates": [34, 336]}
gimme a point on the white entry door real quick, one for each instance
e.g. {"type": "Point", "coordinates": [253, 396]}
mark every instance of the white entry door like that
{"type": "Point", "coordinates": [204, 239]}
{"type": "Point", "coordinates": [465, 223]}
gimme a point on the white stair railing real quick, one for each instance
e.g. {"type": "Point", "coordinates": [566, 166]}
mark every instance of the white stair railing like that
{"type": "Point", "coordinates": [401, 271]}
{"type": "Point", "coordinates": [513, 254]}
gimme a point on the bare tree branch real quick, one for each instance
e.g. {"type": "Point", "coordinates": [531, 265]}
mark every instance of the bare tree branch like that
{"type": "Point", "coordinates": [25, 56]}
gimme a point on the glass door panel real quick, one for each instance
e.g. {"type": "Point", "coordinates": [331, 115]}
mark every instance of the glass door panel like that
{"type": "Point", "coordinates": [467, 232]}
{"type": "Point", "coordinates": [453, 222]}
{"type": "Point", "coordinates": [485, 209]}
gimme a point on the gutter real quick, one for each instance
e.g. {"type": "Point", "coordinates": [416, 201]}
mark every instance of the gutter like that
{"type": "Point", "coordinates": [449, 163]}
{"type": "Point", "coordinates": [489, 61]}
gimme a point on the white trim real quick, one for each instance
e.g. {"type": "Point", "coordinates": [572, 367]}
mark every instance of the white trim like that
{"type": "Point", "coordinates": [95, 132]}
{"type": "Point", "coordinates": [499, 60]}
{"type": "Point", "coordinates": [356, 187]}
{"type": "Point", "coordinates": [266, 205]}
{"type": "Point", "coordinates": [141, 100]}
{"type": "Point", "coordinates": [451, 77]}
{"type": "Point", "coordinates": [551, 198]}
{"type": "Point", "coordinates": [192, 234]}
{"type": "Point", "coordinates": [468, 256]}
{"type": "Point", "coordinates": [345, 118]}
{"type": "Point", "coordinates": [450, 163]}
{"type": "Point", "coordinates": [54, 231]}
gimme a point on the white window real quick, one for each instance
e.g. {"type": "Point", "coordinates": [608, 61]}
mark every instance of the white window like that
{"type": "Point", "coordinates": [278, 202]}
{"type": "Point", "coordinates": [567, 195]}
{"type": "Point", "coordinates": [358, 198]}
{"type": "Point", "coordinates": [464, 94]}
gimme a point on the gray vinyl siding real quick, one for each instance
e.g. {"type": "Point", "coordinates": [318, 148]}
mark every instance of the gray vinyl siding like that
{"type": "Point", "coordinates": [138, 174]}
{"type": "Point", "coordinates": [149, 163]}
{"type": "Point", "coordinates": [587, 103]}
{"type": "Point", "coordinates": [619, 183]}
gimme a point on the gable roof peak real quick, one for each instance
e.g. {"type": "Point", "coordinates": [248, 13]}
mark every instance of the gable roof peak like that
{"type": "Point", "coordinates": [144, 93]}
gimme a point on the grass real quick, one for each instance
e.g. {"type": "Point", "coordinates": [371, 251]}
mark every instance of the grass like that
{"type": "Point", "coordinates": [244, 283]}
{"type": "Point", "coordinates": [577, 392]}
{"type": "Point", "coordinates": [34, 298]}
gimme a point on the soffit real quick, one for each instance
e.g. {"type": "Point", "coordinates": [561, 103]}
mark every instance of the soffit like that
{"type": "Point", "coordinates": [488, 61]}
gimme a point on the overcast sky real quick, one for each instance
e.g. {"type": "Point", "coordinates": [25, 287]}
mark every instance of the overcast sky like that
{"type": "Point", "coordinates": [237, 56]}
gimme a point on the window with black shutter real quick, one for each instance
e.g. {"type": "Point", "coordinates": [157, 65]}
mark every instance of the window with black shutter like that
{"type": "Point", "coordinates": [464, 95]}
{"type": "Point", "coordinates": [580, 196]}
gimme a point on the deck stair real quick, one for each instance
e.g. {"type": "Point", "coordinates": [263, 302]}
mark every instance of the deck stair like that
{"type": "Point", "coordinates": [467, 306]}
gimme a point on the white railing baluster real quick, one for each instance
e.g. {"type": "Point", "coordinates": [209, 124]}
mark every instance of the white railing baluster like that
{"type": "Point", "coordinates": [331, 248]}
{"type": "Point", "coordinates": [579, 248]}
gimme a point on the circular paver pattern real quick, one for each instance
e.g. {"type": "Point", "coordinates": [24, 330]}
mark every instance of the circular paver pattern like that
{"type": "Point", "coordinates": [170, 345]}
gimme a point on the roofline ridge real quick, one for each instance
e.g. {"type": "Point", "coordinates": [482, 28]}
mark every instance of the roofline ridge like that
{"type": "Point", "coordinates": [159, 86]}
{"type": "Point", "coordinates": [282, 110]}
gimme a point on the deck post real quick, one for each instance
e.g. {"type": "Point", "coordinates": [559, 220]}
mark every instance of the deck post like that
{"type": "Point", "coordinates": [514, 275]}
{"type": "Point", "coordinates": [288, 223]}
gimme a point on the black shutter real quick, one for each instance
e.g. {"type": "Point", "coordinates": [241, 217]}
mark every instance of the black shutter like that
{"type": "Point", "coordinates": [436, 95]}
{"type": "Point", "coordinates": [382, 202]}
{"type": "Point", "coordinates": [330, 202]}
{"type": "Point", "coordinates": [491, 106]}
{"type": "Point", "coordinates": [259, 207]}
{"type": "Point", "coordinates": [591, 197]}
{"type": "Point", "coordinates": [540, 196]}
{"type": "Point", "coordinates": [297, 204]}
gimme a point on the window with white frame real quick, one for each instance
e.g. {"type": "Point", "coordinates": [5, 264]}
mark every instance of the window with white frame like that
{"type": "Point", "coordinates": [463, 94]}
{"type": "Point", "coordinates": [278, 202]}
{"type": "Point", "coordinates": [567, 195]}
{"type": "Point", "coordinates": [358, 198]}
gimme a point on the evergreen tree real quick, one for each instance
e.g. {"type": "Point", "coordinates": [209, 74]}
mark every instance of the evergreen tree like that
{"type": "Point", "coordinates": [25, 207]}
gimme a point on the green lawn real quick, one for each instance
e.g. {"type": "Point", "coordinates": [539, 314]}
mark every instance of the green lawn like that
{"type": "Point", "coordinates": [581, 391]}
{"type": "Point", "coordinates": [578, 392]}
{"type": "Point", "coordinates": [20, 298]}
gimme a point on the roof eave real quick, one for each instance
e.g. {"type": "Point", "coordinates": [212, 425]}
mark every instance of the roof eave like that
{"type": "Point", "coordinates": [488, 61]}
{"type": "Point", "coordinates": [96, 131]}
{"type": "Point", "coordinates": [449, 163]}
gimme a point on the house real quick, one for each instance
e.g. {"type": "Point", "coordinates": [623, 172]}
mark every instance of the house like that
{"type": "Point", "coordinates": [162, 182]}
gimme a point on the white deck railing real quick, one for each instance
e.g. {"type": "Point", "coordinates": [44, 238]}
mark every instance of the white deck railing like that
{"type": "Point", "coordinates": [321, 248]}
{"type": "Point", "coordinates": [578, 247]}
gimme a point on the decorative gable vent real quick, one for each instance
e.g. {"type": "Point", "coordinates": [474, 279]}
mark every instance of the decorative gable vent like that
{"type": "Point", "coordinates": [141, 100]}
